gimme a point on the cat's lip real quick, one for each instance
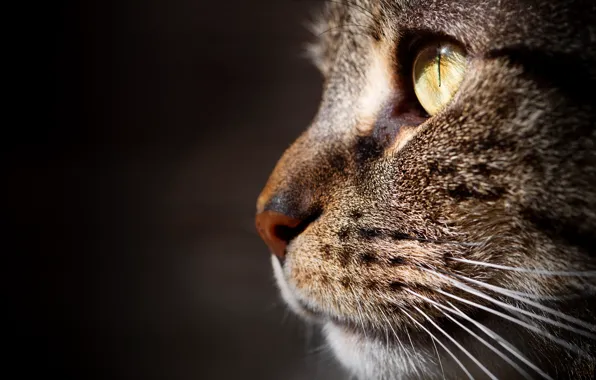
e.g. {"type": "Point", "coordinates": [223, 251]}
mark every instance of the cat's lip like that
{"type": "Point", "coordinates": [322, 318]}
{"type": "Point", "coordinates": [297, 305]}
{"type": "Point", "coordinates": [311, 312]}
{"type": "Point", "coordinates": [304, 309]}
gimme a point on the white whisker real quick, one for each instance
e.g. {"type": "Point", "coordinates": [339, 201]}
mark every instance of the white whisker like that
{"type": "Point", "coordinates": [546, 309]}
{"type": "Point", "coordinates": [534, 296]}
{"type": "Point", "coordinates": [490, 346]}
{"type": "Point", "coordinates": [413, 350]}
{"type": "Point", "coordinates": [359, 311]}
{"type": "Point", "coordinates": [561, 342]}
{"type": "Point", "coordinates": [511, 307]}
{"type": "Point", "coordinates": [440, 343]}
{"type": "Point", "coordinates": [396, 337]}
{"type": "Point", "coordinates": [543, 272]}
{"type": "Point", "coordinates": [439, 358]}
{"type": "Point", "coordinates": [482, 367]}
{"type": "Point", "coordinates": [502, 341]}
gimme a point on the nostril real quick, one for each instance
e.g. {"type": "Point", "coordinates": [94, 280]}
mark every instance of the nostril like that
{"type": "Point", "coordinates": [286, 233]}
{"type": "Point", "coordinates": [277, 229]}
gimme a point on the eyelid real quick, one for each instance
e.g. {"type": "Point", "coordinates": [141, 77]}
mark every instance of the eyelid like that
{"type": "Point", "coordinates": [413, 40]}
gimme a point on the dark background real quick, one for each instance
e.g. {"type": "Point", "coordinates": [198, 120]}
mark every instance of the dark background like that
{"type": "Point", "coordinates": [135, 254]}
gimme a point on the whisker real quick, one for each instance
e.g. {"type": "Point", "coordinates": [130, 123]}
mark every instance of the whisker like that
{"type": "Point", "coordinates": [493, 335]}
{"type": "Point", "coordinates": [561, 342]}
{"type": "Point", "coordinates": [413, 349]}
{"type": "Point", "coordinates": [511, 307]}
{"type": "Point", "coordinates": [387, 323]}
{"type": "Point", "coordinates": [502, 341]}
{"type": "Point", "coordinates": [482, 367]}
{"type": "Point", "coordinates": [359, 309]}
{"type": "Point", "coordinates": [490, 346]}
{"type": "Point", "coordinates": [544, 272]}
{"type": "Point", "coordinates": [515, 295]}
{"type": "Point", "coordinates": [285, 316]}
{"type": "Point", "coordinates": [396, 336]}
{"type": "Point", "coordinates": [440, 343]}
{"type": "Point", "coordinates": [309, 334]}
{"type": "Point", "coordinates": [387, 335]}
{"type": "Point", "coordinates": [526, 295]}
{"type": "Point", "coordinates": [317, 350]}
{"type": "Point", "coordinates": [439, 357]}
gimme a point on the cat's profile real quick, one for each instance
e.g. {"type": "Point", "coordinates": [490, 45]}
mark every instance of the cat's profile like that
{"type": "Point", "coordinates": [438, 218]}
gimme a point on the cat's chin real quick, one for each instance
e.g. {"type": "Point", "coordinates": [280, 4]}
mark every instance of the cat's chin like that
{"type": "Point", "coordinates": [372, 358]}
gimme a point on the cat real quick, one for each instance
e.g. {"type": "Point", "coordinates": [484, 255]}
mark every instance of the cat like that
{"type": "Point", "coordinates": [438, 218]}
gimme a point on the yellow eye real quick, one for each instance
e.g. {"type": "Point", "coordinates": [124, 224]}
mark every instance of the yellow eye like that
{"type": "Point", "coordinates": [438, 71]}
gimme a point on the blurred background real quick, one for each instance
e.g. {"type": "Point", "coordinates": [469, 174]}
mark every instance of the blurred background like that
{"type": "Point", "coordinates": [137, 256]}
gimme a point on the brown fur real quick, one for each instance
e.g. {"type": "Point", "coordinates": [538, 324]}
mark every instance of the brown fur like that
{"type": "Point", "coordinates": [505, 174]}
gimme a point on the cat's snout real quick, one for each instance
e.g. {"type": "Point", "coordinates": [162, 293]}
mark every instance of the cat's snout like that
{"type": "Point", "coordinates": [291, 199]}
{"type": "Point", "coordinates": [277, 230]}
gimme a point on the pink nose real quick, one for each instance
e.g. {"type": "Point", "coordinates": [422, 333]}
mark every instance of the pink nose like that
{"type": "Point", "coordinates": [276, 230]}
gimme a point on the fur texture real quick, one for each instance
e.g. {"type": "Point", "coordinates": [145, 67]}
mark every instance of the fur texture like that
{"type": "Point", "coordinates": [400, 204]}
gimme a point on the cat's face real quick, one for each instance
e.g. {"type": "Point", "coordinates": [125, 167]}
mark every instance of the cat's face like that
{"type": "Point", "coordinates": [387, 221]}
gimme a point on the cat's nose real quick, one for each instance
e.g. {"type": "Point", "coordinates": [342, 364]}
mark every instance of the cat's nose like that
{"type": "Point", "coordinates": [277, 230]}
{"type": "Point", "coordinates": [290, 201]}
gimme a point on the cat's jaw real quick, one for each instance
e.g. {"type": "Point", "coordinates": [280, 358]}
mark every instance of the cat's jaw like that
{"type": "Point", "coordinates": [366, 357]}
{"type": "Point", "coordinates": [396, 354]}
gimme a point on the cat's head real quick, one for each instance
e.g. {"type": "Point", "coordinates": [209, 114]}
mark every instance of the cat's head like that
{"type": "Point", "coordinates": [453, 158]}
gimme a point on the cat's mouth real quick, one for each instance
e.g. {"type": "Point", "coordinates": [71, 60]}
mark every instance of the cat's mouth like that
{"type": "Point", "coordinates": [297, 305]}
{"type": "Point", "coordinates": [313, 313]}
{"type": "Point", "coordinates": [302, 307]}
{"type": "Point", "coordinates": [360, 329]}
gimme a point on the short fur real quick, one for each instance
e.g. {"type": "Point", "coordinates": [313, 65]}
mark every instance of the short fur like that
{"type": "Point", "coordinates": [504, 174]}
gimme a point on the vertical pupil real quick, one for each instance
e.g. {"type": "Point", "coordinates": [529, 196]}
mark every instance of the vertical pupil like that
{"type": "Point", "coordinates": [439, 63]}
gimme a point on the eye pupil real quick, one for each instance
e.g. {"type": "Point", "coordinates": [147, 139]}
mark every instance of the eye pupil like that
{"type": "Point", "coordinates": [435, 87]}
{"type": "Point", "coordinates": [439, 64]}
